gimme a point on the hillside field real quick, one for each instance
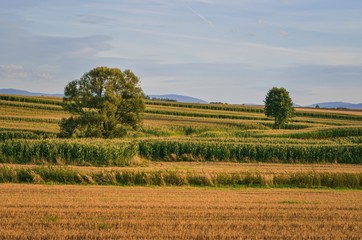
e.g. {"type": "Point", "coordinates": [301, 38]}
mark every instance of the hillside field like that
{"type": "Point", "coordinates": [219, 170]}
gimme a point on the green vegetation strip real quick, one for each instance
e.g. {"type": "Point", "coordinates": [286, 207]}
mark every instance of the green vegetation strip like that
{"type": "Point", "coordinates": [30, 106]}
{"type": "Point", "coordinates": [208, 106]}
{"type": "Point", "coordinates": [168, 150]}
{"type": "Point", "coordinates": [205, 115]}
{"type": "Point", "coordinates": [322, 133]}
{"type": "Point", "coordinates": [22, 119]}
{"type": "Point", "coordinates": [215, 107]}
{"type": "Point", "coordinates": [8, 134]}
{"type": "Point", "coordinates": [329, 115]}
{"type": "Point", "coordinates": [31, 100]}
{"type": "Point", "coordinates": [254, 110]}
{"type": "Point", "coordinates": [65, 175]}
{"type": "Point", "coordinates": [76, 152]}
{"type": "Point", "coordinates": [97, 152]}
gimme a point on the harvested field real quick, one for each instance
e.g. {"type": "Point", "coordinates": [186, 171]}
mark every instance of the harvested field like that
{"type": "Point", "coordinates": [78, 212]}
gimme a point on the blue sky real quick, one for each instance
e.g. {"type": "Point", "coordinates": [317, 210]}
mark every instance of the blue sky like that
{"type": "Point", "coordinates": [230, 51]}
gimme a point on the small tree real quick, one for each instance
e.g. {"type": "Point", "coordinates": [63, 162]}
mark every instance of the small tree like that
{"type": "Point", "coordinates": [279, 105]}
{"type": "Point", "coordinates": [104, 102]}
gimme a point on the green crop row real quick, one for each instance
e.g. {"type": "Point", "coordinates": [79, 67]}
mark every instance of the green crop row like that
{"type": "Point", "coordinates": [287, 126]}
{"type": "Point", "coordinates": [205, 115]}
{"type": "Point", "coordinates": [85, 152]}
{"type": "Point", "coordinates": [324, 133]}
{"type": "Point", "coordinates": [264, 140]}
{"type": "Point", "coordinates": [30, 100]}
{"type": "Point", "coordinates": [208, 106]}
{"type": "Point", "coordinates": [22, 119]}
{"type": "Point", "coordinates": [328, 115]}
{"type": "Point", "coordinates": [13, 134]}
{"type": "Point", "coordinates": [43, 107]}
{"type": "Point", "coordinates": [117, 153]}
{"type": "Point", "coordinates": [226, 107]}
{"type": "Point", "coordinates": [211, 151]}
{"type": "Point", "coordinates": [64, 175]}
{"type": "Point", "coordinates": [230, 116]}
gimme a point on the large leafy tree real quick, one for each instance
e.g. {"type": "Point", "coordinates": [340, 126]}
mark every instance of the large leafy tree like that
{"type": "Point", "coordinates": [104, 102]}
{"type": "Point", "coordinates": [278, 105]}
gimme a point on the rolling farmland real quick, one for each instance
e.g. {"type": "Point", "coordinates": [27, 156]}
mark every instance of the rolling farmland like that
{"type": "Point", "coordinates": [231, 150]}
{"type": "Point", "coordinates": [183, 132]}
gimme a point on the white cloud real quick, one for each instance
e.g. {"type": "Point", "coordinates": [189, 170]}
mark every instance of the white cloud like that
{"type": "Point", "coordinates": [201, 17]}
{"type": "Point", "coordinates": [262, 23]}
{"type": "Point", "coordinates": [10, 72]}
{"type": "Point", "coordinates": [283, 33]}
{"type": "Point", "coordinates": [183, 48]}
{"type": "Point", "coordinates": [10, 67]}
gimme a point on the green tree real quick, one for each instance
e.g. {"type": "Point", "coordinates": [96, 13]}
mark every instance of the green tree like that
{"type": "Point", "coordinates": [278, 105]}
{"type": "Point", "coordinates": [104, 102]}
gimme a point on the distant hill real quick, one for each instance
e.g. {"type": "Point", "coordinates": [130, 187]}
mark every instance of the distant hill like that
{"type": "Point", "coordinates": [337, 105]}
{"type": "Point", "coordinates": [187, 99]}
{"type": "Point", "coordinates": [178, 98]}
{"type": "Point", "coordinates": [26, 93]}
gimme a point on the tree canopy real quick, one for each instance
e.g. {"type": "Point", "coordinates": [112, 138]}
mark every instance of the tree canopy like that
{"type": "Point", "coordinates": [104, 102]}
{"type": "Point", "coordinates": [279, 105]}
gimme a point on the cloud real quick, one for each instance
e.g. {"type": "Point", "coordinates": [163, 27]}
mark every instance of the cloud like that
{"type": "Point", "coordinates": [20, 45]}
{"type": "Point", "coordinates": [283, 33]}
{"type": "Point", "coordinates": [11, 72]}
{"type": "Point", "coordinates": [176, 49]}
{"type": "Point", "coordinates": [245, 84]}
{"type": "Point", "coordinates": [201, 17]}
{"type": "Point", "coordinates": [10, 67]}
{"type": "Point", "coordinates": [170, 46]}
{"type": "Point", "coordinates": [39, 62]}
{"type": "Point", "coordinates": [19, 4]}
{"type": "Point", "coordinates": [288, 1]}
{"type": "Point", "coordinates": [21, 77]}
{"type": "Point", "coordinates": [94, 19]}
{"type": "Point", "coordinates": [262, 23]}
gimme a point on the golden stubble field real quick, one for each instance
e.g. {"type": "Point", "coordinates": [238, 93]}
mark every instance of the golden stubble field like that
{"type": "Point", "coordinates": [92, 212]}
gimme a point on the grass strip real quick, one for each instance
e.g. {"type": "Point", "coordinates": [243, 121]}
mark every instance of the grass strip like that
{"type": "Point", "coordinates": [66, 175]}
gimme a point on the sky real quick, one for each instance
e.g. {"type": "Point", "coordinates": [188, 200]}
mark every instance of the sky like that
{"type": "Point", "coordinates": [229, 51]}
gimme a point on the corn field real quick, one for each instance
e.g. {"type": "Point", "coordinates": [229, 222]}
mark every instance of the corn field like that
{"type": "Point", "coordinates": [115, 152]}
{"type": "Point", "coordinates": [211, 151]}
{"type": "Point", "coordinates": [181, 132]}
{"type": "Point", "coordinates": [78, 152]}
